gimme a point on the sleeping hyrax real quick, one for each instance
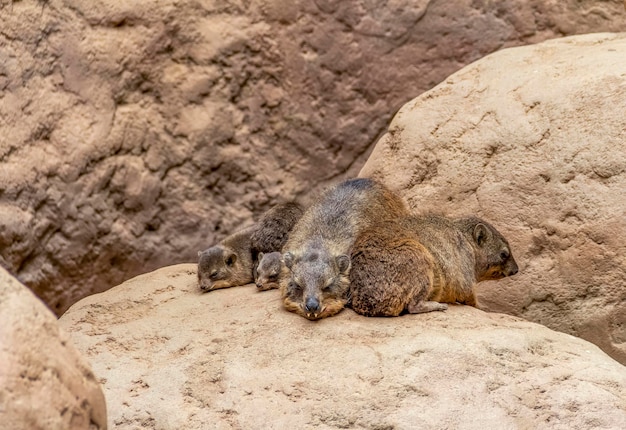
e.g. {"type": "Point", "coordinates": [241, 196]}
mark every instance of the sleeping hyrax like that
{"type": "Point", "coordinates": [314, 280]}
{"type": "Point", "coordinates": [232, 262]}
{"type": "Point", "coordinates": [268, 240]}
{"type": "Point", "coordinates": [268, 270]}
{"type": "Point", "coordinates": [413, 263]}
{"type": "Point", "coordinates": [227, 264]}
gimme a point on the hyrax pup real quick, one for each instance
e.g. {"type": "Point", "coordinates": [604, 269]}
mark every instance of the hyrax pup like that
{"type": "Point", "coordinates": [268, 240]}
{"type": "Point", "coordinates": [274, 226]}
{"type": "Point", "coordinates": [227, 264]}
{"type": "Point", "coordinates": [268, 270]}
{"type": "Point", "coordinates": [444, 258]}
{"type": "Point", "coordinates": [315, 277]}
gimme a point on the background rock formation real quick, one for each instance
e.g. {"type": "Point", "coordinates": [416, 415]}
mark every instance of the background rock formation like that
{"type": "Point", "coordinates": [171, 357]}
{"type": "Point", "coordinates": [532, 139]}
{"type": "Point", "coordinates": [136, 133]}
{"type": "Point", "coordinates": [45, 384]}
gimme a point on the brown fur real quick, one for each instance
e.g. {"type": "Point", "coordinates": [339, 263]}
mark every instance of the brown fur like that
{"type": "Point", "coordinates": [227, 264]}
{"type": "Point", "coordinates": [268, 270]}
{"type": "Point", "coordinates": [268, 240]}
{"type": "Point", "coordinates": [274, 226]}
{"type": "Point", "coordinates": [315, 278]}
{"type": "Point", "coordinates": [415, 262]}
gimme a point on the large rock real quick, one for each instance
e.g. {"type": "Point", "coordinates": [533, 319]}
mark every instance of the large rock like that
{"type": "Point", "coordinates": [45, 384]}
{"type": "Point", "coordinates": [174, 358]}
{"type": "Point", "coordinates": [136, 133]}
{"type": "Point", "coordinates": [532, 139]}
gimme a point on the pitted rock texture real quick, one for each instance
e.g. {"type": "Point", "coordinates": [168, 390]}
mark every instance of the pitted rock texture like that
{"type": "Point", "coordinates": [136, 133]}
{"type": "Point", "coordinates": [45, 384]}
{"type": "Point", "coordinates": [531, 139]}
{"type": "Point", "coordinates": [172, 358]}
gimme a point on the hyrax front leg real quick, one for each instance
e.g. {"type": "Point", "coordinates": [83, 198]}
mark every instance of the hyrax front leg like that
{"type": "Point", "coordinates": [421, 307]}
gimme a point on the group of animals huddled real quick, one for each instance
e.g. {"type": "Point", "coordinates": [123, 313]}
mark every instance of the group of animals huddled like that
{"type": "Point", "coordinates": [358, 245]}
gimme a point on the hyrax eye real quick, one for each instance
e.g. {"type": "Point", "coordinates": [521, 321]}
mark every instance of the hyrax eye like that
{"type": "Point", "coordinates": [273, 277]}
{"type": "Point", "coordinates": [504, 255]}
{"type": "Point", "coordinates": [294, 287]}
{"type": "Point", "coordinates": [213, 274]}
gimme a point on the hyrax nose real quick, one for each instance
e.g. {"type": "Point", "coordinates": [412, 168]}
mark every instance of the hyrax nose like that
{"type": "Point", "coordinates": [513, 270]}
{"type": "Point", "coordinates": [312, 304]}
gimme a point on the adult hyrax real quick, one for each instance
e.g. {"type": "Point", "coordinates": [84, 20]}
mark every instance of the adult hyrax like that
{"type": "Point", "coordinates": [416, 262]}
{"type": "Point", "coordinates": [227, 264]}
{"type": "Point", "coordinates": [314, 281]}
{"type": "Point", "coordinates": [268, 240]}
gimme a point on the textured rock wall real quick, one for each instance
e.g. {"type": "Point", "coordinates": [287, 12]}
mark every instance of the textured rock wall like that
{"type": "Point", "coordinates": [135, 133]}
{"type": "Point", "coordinates": [538, 150]}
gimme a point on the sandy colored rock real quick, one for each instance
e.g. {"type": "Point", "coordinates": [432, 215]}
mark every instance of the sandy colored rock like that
{"type": "Point", "coordinates": [531, 139]}
{"type": "Point", "coordinates": [174, 358]}
{"type": "Point", "coordinates": [45, 384]}
{"type": "Point", "coordinates": [135, 134]}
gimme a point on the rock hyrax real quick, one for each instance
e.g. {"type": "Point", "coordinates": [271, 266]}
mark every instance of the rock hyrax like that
{"type": "Point", "coordinates": [268, 270]}
{"type": "Point", "coordinates": [314, 280]}
{"type": "Point", "coordinates": [268, 240]}
{"type": "Point", "coordinates": [227, 264]}
{"type": "Point", "coordinates": [415, 262]}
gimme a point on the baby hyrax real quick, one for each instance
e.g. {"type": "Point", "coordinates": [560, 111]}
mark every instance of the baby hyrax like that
{"type": "Point", "coordinates": [268, 270]}
{"type": "Point", "coordinates": [227, 264]}
{"type": "Point", "coordinates": [268, 240]}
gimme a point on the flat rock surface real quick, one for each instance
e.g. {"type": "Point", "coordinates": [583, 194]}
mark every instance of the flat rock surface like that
{"type": "Point", "coordinates": [533, 140]}
{"type": "Point", "coordinates": [45, 383]}
{"type": "Point", "coordinates": [171, 357]}
{"type": "Point", "coordinates": [135, 133]}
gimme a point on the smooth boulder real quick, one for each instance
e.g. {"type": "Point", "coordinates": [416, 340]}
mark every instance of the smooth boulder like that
{"type": "Point", "coordinates": [531, 139]}
{"type": "Point", "coordinates": [172, 357]}
{"type": "Point", "coordinates": [45, 383]}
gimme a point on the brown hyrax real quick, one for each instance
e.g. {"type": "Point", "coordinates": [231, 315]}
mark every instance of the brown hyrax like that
{"type": "Point", "coordinates": [268, 240]}
{"type": "Point", "coordinates": [315, 277]}
{"type": "Point", "coordinates": [227, 264]}
{"type": "Point", "coordinates": [414, 263]}
{"type": "Point", "coordinates": [274, 226]}
{"type": "Point", "coordinates": [268, 270]}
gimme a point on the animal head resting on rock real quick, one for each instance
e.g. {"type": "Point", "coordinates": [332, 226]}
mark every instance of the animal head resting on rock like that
{"type": "Point", "coordinates": [227, 264]}
{"type": "Point", "coordinates": [318, 284]}
{"type": "Point", "coordinates": [494, 259]}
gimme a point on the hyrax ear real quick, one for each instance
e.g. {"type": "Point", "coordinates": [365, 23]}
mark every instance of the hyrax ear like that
{"type": "Point", "coordinates": [343, 263]}
{"type": "Point", "coordinates": [199, 253]}
{"type": "Point", "coordinates": [288, 259]}
{"type": "Point", "coordinates": [259, 256]}
{"type": "Point", "coordinates": [480, 234]}
{"type": "Point", "coordinates": [231, 259]}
